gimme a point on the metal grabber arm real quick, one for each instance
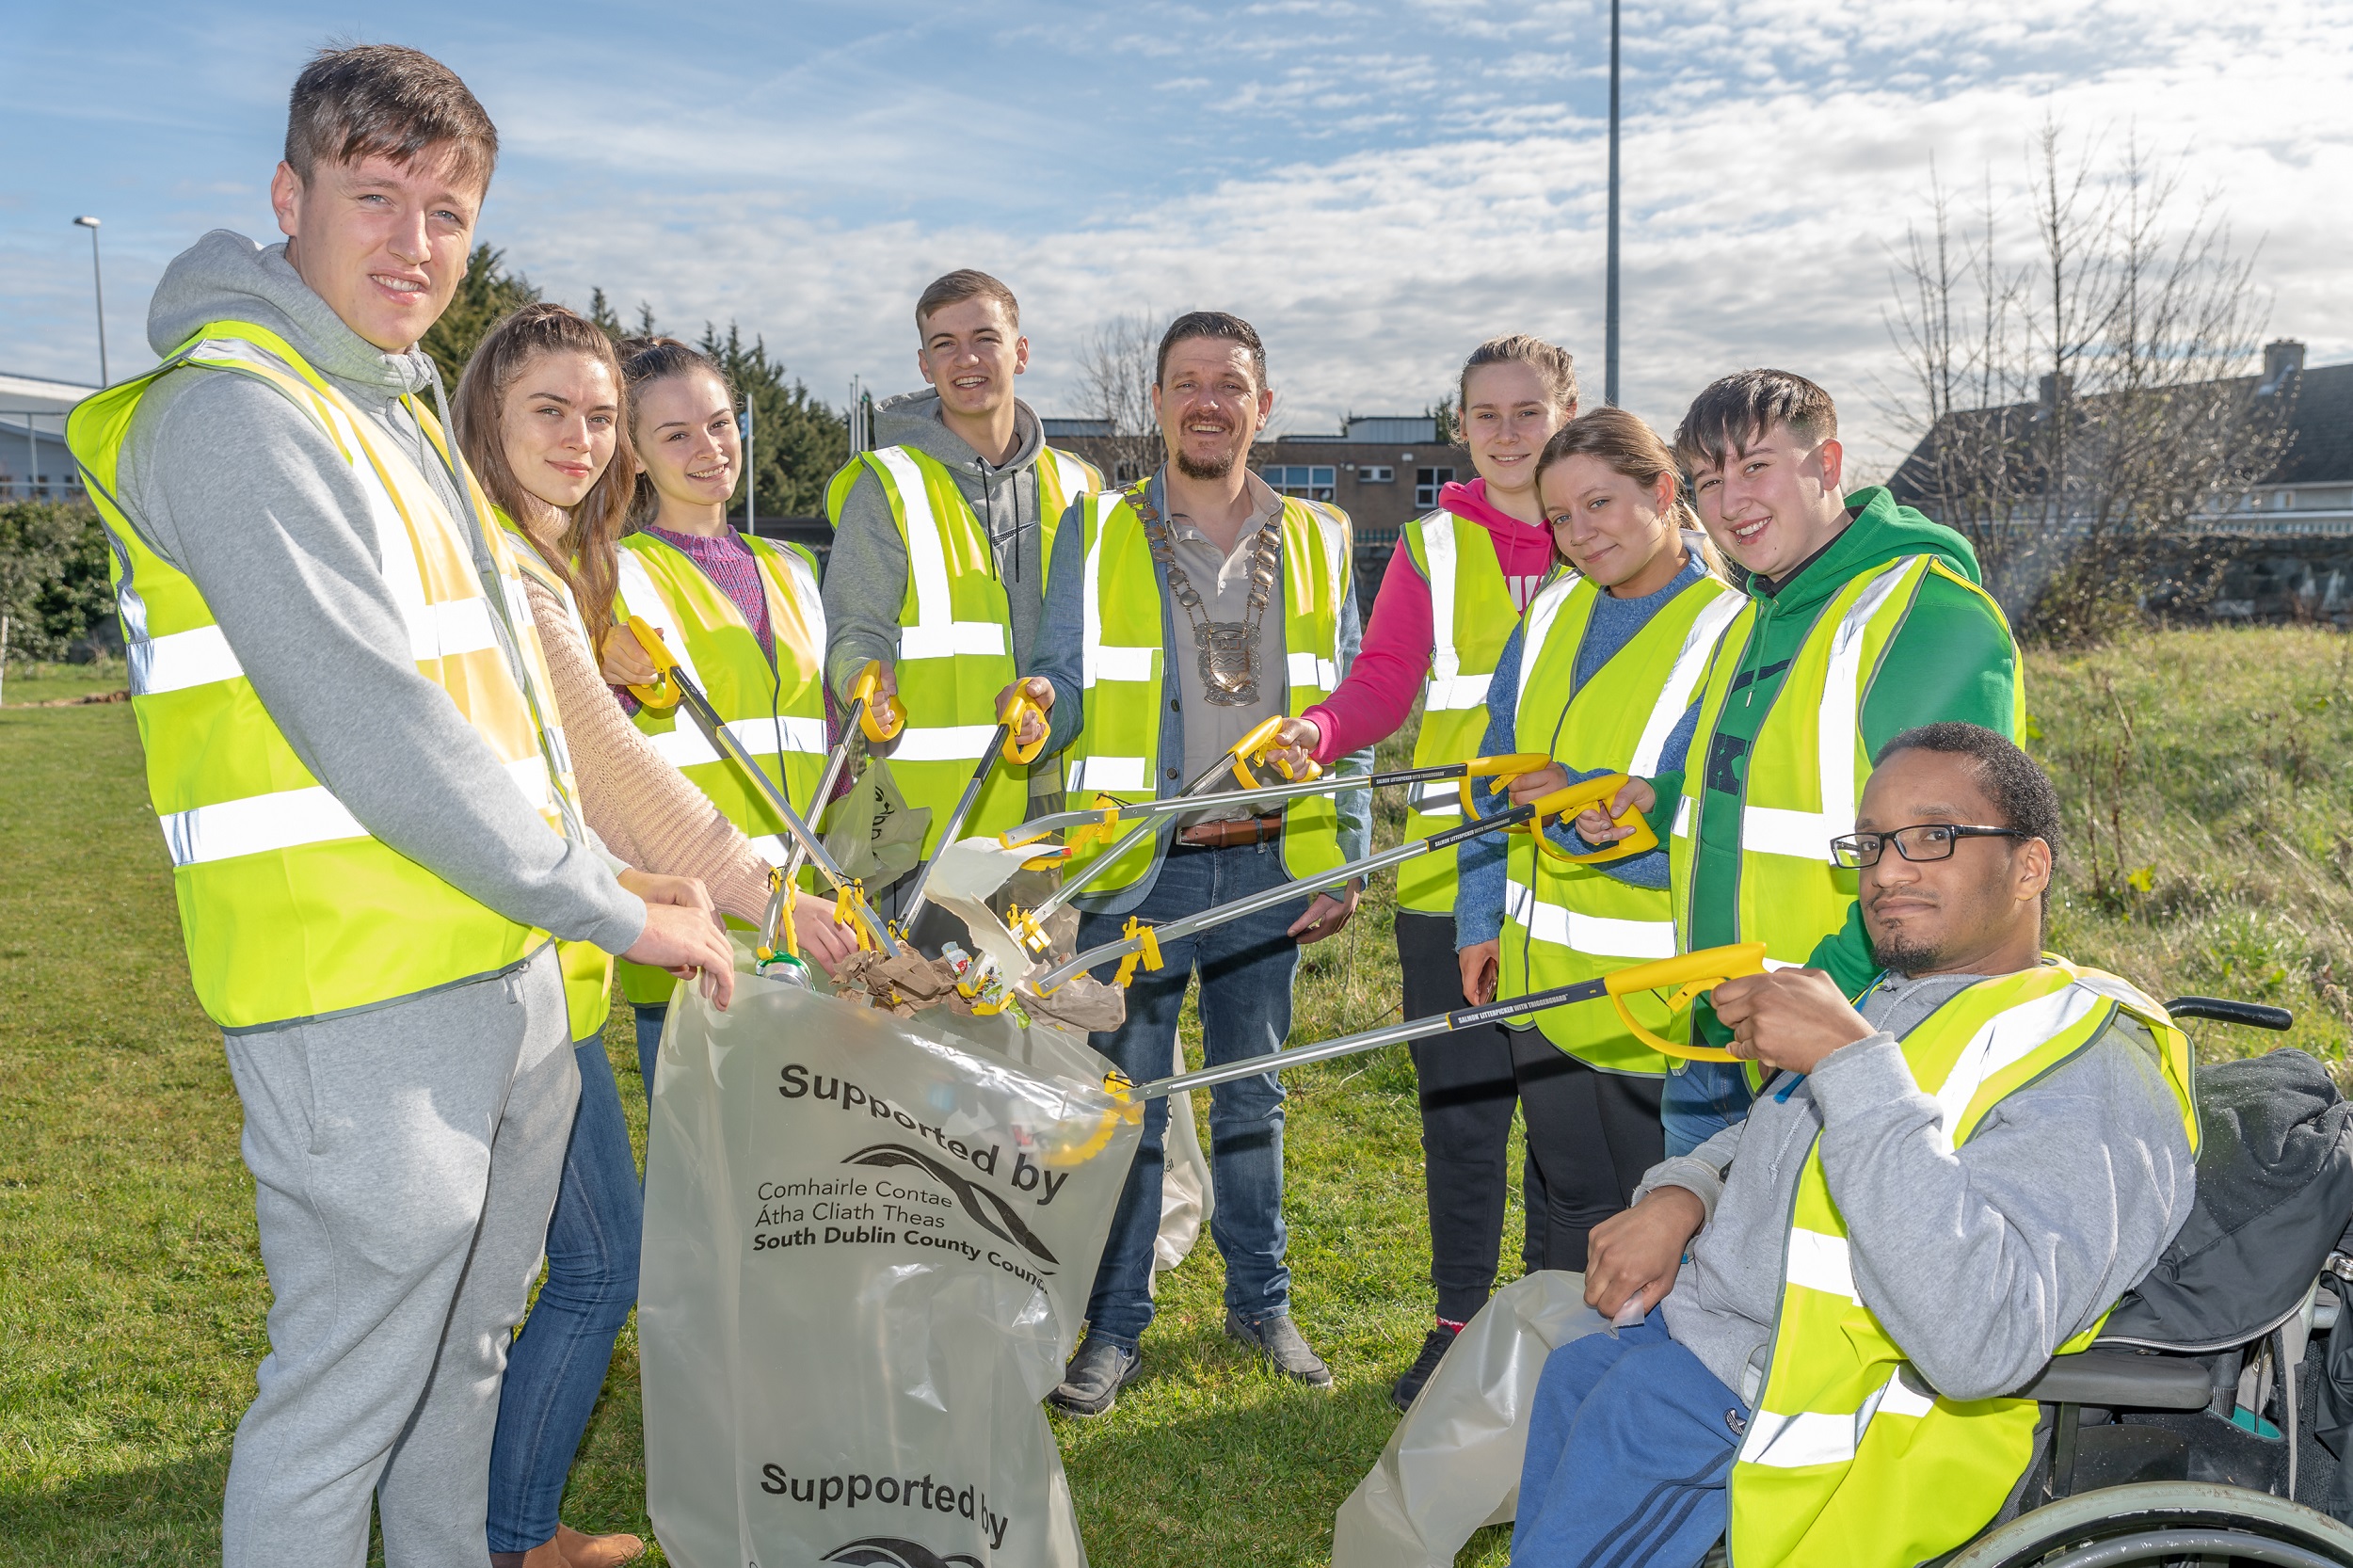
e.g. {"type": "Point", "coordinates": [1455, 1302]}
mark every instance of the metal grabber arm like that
{"type": "Point", "coordinates": [878, 718]}
{"type": "Point", "coordinates": [1003, 742]}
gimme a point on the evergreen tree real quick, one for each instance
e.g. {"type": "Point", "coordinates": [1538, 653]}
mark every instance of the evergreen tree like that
{"type": "Point", "coordinates": [484, 296]}
{"type": "Point", "coordinates": [797, 442]}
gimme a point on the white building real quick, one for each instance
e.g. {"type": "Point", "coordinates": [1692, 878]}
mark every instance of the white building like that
{"type": "Point", "coordinates": [34, 463]}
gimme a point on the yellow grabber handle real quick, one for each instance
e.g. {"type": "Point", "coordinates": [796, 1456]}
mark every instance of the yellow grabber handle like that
{"type": "Point", "coordinates": [1503, 770]}
{"type": "Point", "coordinates": [881, 717]}
{"type": "Point", "coordinates": [1691, 974]}
{"type": "Point", "coordinates": [1019, 705]}
{"type": "Point", "coordinates": [662, 692]}
{"type": "Point", "coordinates": [1592, 791]}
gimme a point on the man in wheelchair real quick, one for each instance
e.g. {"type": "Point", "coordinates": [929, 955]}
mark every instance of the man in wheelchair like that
{"type": "Point", "coordinates": [1940, 1185]}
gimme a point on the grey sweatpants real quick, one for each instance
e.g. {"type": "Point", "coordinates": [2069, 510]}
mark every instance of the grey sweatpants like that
{"type": "Point", "coordinates": [405, 1161]}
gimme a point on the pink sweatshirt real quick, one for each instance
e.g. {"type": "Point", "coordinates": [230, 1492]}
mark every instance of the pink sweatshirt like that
{"type": "Point", "coordinates": [1395, 657]}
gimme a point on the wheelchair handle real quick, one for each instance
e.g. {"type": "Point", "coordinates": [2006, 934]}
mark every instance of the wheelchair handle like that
{"type": "Point", "coordinates": [2221, 1010]}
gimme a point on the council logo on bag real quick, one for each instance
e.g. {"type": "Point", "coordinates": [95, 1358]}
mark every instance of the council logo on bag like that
{"type": "Point", "coordinates": [983, 1207]}
{"type": "Point", "coordinates": [882, 1551]}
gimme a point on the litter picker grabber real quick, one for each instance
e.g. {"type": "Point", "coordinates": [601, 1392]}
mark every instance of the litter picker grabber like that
{"type": "Point", "coordinates": [1019, 705]}
{"type": "Point", "coordinates": [878, 718]}
{"type": "Point", "coordinates": [1691, 974]}
{"type": "Point", "coordinates": [1142, 943]}
{"type": "Point", "coordinates": [672, 687]}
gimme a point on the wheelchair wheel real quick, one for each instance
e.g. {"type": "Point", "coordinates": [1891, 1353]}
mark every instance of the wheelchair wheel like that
{"type": "Point", "coordinates": [2165, 1521]}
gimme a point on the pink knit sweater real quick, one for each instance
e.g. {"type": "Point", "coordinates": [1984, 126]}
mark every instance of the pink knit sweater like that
{"type": "Point", "coordinates": [642, 808]}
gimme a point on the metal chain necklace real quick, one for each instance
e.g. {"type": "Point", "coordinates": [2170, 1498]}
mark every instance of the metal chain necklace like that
{"type": "Point", "coordinates": [1227, 650]}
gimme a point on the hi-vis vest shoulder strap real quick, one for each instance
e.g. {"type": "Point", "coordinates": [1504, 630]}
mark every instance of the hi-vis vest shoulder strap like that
{"type": "Point", "coordinates": [1121, 668]}
{"type": "Point", "coordinates": [1805, 771]}
{"type": "Point", "coordinates": [1850, 1460]}
{"type": "Point", "coordinates": [290, 909]}
{"type": "Point", "coordinates": [1471, 616]}
{"type": "Point", "coordinates": [955, 649]}
{"type": "Point", "coordinates": [1564, 923]}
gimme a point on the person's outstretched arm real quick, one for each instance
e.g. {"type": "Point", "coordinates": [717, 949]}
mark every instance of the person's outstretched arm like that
{"type": "Point", "coordinates": [1386, 675]}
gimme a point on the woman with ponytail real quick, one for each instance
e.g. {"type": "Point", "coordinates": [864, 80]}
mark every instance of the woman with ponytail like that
{"type": "Point", "coordinates": [538, 416]}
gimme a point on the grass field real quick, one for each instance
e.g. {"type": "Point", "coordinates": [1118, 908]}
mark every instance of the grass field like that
{"type": "Point", "coordinates": [2214, 842]}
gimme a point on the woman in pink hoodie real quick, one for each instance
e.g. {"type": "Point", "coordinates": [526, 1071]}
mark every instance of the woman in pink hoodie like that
{"type": "Point", "coordinates": [1453, 591]}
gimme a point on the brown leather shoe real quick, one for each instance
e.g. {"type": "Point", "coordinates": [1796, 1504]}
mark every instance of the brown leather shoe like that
{"type": "Point", "coordinates": [592, 1551]}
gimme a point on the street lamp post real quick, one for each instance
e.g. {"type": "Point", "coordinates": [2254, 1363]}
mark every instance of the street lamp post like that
{"type": "Point", "coordinates": [1609, 351]}
{"type": "Point", "coordinates": [98, 283]}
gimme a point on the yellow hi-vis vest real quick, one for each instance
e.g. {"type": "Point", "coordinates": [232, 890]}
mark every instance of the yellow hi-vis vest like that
{"type": "Point", "coordinates": [1850, 1460]}
{"type": "Point", "coordinates": [290, 909]}
{"type": "Point", "coordinates": [1564, 922]}
{"type": "Point", "coordinates": [1471, 616]}
{"type": "Point", "coordinates": [587, 968]}
{"type": "Point", "coordinates": [1808, 763]}
{"type": "Point", "coordinates": [776, 711]}
{"type": "Point", "coordinates": [956, 638]}
{"type": "Point", "coordinates": [1118, 751]}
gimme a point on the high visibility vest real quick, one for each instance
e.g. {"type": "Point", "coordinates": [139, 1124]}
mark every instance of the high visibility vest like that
{"type": "Point", "coordinates": [1563, 923]}
{"type": "Point", "coordinates": [1808, 764]}
{"type": "Point", "coordinates": [776, 711]}
{"type": "Point", "coordinates": [955, 639]}
{"type": "Point", "coordinates": [587, 968]}
{"type": "Point", "coordinates": [1850, 1460]}
{"type": "Point", "coordinates": [1118, 752]}
{"type": "Point", "coordinates": [290, 909]}
{"type": "Point", "coordinates": [1471, 616]}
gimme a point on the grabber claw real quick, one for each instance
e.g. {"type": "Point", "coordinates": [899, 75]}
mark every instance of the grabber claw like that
{"type": "Point", "coordinates": [775, 927]}
{"type": "Point", "coordinates": [849, 900]}
{"type": "Point", "coordinates": [662, 692]}
{"type": "Point", "coordinates": [880, 717]}
{"type": "Point", "coordinates": [1147, 951]}
{"type": "Point", "coordinates": [1023, 925]}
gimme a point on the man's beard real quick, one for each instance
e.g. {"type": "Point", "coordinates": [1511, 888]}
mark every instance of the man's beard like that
{"type": "Point", "coordinates": [1907, 958]}
{"type": "Point", "coordinates": [1213, 467]}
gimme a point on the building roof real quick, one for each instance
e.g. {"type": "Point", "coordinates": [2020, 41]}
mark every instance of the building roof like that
{"type": "Point", "coordinates": [1060, 429]}
{"type": "Point", "coordinates": [19, 393]}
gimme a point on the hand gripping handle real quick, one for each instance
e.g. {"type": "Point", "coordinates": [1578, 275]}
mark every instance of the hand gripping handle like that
{"type": "Point", "coordinates": [1503, 770]}
{"type": "Point", "coordinates": [1593, 791]}
{"type": "Point", "coordinates": [1253, 747]}
{"type": "Point", "coordinates": [880, 717]}
{"type": "Point", "coordinates": [1020, 705]}
{"type": "Point", "coordinates": [662, 692]}
{"type": "Point", "coordinates": [1691, 974]}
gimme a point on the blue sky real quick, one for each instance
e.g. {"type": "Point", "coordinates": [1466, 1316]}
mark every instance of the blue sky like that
{"type": "Point", "coordinates": [1378, 185]}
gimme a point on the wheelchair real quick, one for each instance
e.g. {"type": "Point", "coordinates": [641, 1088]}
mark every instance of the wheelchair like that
{"type": "Point", "coordinates": [2180, 1455]}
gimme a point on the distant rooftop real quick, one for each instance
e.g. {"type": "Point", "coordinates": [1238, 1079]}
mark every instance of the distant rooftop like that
{"type": "Point", "coordinates": [38, 395]}
{"type": "Point", "coordinates": [1060, 429]}
{"type": "Point", "coordinates": [1377, 430]}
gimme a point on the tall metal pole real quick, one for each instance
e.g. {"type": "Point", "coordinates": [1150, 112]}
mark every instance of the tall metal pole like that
{"type": "Point", "coordinates": [1610, 352]}
{"type": "Point", "coordinates": [98, 283]}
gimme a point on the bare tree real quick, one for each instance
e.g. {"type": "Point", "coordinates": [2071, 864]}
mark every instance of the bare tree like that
{"type": "Point", "coordinates": [1115, 373]}
{"type": "Point", "coordinates": [2082, 407]}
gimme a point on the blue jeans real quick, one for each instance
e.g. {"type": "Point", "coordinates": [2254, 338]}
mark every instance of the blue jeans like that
{"type": "Point", "coordinates": [1246, 968]}
{"type": "Point", "coordinates": [1701, 1099]}
{"type": "Point", "coordinates": [557, 1366]}
{"type": "Point", "coordinates": [1630, 1443]}
{"type": "Point", "coordinates": [649, 1018]}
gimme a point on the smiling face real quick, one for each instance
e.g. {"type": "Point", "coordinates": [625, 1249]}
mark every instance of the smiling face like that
{"type": "Point", "coordinates": [384, 243]}
{"type": "Point", "coordinates": [1611, 528]}
{"type": "Point", "coordinates": [971, 352]}
{"type": "Point", "coordinates": [1508, 415]}
{"type": "Point", "coordinates": [1774, 504]}
{"type": "Point", "coordinates": [557, 422]}
{"type": "Point", "coordinates": [686, 440]}
{"type": "Point", "coordinates": [1209, 404]}
{"type": "Point", "coordinates": [1973, 913]}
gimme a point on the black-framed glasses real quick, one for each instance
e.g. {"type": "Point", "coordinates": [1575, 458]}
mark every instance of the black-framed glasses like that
{"type": "Point", "coordinates": [1927, 841]}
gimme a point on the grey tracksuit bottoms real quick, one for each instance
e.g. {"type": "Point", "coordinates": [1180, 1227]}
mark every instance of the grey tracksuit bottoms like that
{"type": "Point", "coordinates": [404, 1160]}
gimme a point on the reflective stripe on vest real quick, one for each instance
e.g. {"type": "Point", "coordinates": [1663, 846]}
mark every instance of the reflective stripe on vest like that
{"type": "Point", "coordinates": [289, 909]}
{"type": "Point", "coordinates": [1471, 616]}
{"type": "Point", "coordinates": [1847, 1445]}
{"type": "Point", "coordinates": [1805, 769]}
{"type": "Point", "coordinates": [1567, 923]}
{"type": "Point", "coordinates": [1122, 676]}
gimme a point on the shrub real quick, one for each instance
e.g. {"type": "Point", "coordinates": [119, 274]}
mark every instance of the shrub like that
{"type": "Point", "coordinates": [54, 586]}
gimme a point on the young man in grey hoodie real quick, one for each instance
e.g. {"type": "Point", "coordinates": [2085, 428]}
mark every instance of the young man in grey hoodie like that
{"type": "Point", "coordinates": [1010, 490]}
{"type": "Point", "coordinates": [405, 1152]}
{"type": "Point", "coordinates": [1972, 1231]}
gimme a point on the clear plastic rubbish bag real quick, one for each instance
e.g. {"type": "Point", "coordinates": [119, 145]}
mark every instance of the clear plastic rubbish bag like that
{"type": "Point", "coordinates": [1453, 1465]}
{"type": "Point", "coordinates": [869, 1247]}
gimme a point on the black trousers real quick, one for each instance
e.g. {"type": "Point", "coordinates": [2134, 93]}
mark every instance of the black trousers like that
{"type": "Point", "coordinates": [1591, 1134]}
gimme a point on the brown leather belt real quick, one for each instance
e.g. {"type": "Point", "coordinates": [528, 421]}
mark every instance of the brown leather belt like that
{"type": "Point", "coordinates": [1225, 835]}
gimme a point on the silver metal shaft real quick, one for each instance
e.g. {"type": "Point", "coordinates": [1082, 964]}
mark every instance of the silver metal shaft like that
{"type": "Point", "coordinates": [835, 762]}
{"type": "Point", "coordinates": [912, 904]}
{"type": "Point", "coordinates": [1155, 813]}
{"type": "Point", "coordinates": [1178, 805]}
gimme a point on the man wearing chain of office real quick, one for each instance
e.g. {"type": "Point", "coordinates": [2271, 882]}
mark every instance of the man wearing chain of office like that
{"type": "Point", "coordinates": [1182, 611]}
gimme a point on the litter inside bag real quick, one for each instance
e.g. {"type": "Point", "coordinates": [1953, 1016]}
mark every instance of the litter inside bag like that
{"type": "Point", "coordinates": [869, 1247]}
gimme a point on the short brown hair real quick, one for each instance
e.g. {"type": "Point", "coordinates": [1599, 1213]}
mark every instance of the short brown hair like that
{"type": "Point", "coordinates": [1554, 366]}
{"type": "Point", "coordinates": [1212, 324]}
{"type": "Point", "coordinates": [965, 284]}
{"type": "Point", "coordinates": [1738, 409]}
{"type": "Point", "coordinates": [1631, 448]}
{"type": "Point", "coordinates": [379, 100]}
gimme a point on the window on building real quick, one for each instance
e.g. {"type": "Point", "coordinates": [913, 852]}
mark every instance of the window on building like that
{"type": "Point", "coordinates": [1375, 473]}
{"type": "Point", "coordinates": [1313, 482]}
{"type": "Point", "coordinates": [1427, 482]}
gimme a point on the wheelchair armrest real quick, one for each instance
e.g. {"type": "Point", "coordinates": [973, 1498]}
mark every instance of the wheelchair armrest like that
{"type": "Point", "coordinates": [2122, 1378]}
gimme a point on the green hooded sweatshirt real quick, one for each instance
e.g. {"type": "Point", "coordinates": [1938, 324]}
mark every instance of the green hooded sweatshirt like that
{"type": "Point", "coordinates": [1952, 658]}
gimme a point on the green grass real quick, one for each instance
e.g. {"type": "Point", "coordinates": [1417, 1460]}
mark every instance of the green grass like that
{"type": "Point", "coordinates": [30, 684]}
{"type": "Point", "coordinates": [2214, 841]}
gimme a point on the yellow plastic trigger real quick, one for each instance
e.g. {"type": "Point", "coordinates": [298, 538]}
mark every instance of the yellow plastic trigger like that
{"type": "Point", "coordinates": [879, 717]}
{"type": "Point", "coordinates": [662, 692]}
{"type": "Point", "coordinates": [1562, 804]}
{"type": "Point", "coordinates": [1147, 951]}
{"type": "Point", "coordinates": [1692, 974]}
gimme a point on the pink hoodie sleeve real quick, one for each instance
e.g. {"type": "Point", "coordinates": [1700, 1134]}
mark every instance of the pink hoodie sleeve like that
{"type": "Point", "coordinates": [1387, 674]}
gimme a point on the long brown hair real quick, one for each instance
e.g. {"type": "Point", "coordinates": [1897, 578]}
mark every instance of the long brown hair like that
{"type": "Point", "coordinates": [590, 565]}
{"type": "Point", "coordinates": [1632, 449]}
{"type": "Point", "coordinates": [644, 362]}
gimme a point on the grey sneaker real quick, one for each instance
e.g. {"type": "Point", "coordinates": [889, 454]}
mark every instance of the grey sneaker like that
{"type": "Point", "coordinates": [1092, 1382]}
{"type": "Point", "coordinates": [1278, 1340]}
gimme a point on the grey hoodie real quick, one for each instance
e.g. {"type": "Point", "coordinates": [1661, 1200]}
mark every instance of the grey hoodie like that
{"type": "Point", "coordinates": [1980, 1261]}
{"type": "Point", "coordinates": [866, 577]}
{"type": "Point", "coordinates": [231, 483]}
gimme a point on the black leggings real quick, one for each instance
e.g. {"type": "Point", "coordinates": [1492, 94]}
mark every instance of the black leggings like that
{"type": "Point", "coordinates": [1591, 1134]}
